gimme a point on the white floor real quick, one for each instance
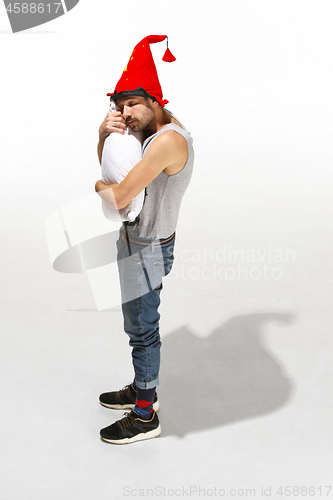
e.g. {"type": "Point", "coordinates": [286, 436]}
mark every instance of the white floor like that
{"type": "Point", "coordinates": [246, 376]}
{"type": "Point", "coordinates": [246, 314]}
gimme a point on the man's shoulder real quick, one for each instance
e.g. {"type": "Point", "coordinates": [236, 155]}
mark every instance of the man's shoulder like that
{"type": "Point", "coordinates": [171, 139]}
{"type": "Point", "coordinates": [172, 147]}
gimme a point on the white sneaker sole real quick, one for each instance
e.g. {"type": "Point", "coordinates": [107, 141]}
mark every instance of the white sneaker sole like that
{"type": "Point", "coordinates": [156, 406]}
{"type": "Point", "coordinates": [139, 437]}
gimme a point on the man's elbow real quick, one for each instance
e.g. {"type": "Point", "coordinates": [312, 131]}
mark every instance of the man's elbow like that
{"type": "Point", "coordinates": [110, 195]}
{"type": "Point", "coordinates": [121, 202]}
{"type": "Point", "coordinates": [117, 198]}
{"type": "Point", "coordinates": [117, 195]}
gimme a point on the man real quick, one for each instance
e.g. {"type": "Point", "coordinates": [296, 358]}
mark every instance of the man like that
{"type": "Point", "coordinates": [145, 246]}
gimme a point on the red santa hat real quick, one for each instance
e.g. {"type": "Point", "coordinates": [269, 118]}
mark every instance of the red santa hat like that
{"type": "Point", "coordinates": [140, 73]}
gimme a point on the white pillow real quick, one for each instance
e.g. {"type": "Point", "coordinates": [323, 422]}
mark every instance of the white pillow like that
{"type": "Point", "coordinates": [120, 153]}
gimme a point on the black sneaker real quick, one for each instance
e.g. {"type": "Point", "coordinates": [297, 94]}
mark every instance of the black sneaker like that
{"type": "Point", "coordinates": [123, 399]}
{"type": "Point", "coordinates": [131, 428]}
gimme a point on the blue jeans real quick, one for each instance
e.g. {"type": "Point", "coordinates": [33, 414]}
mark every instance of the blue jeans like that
{"type": "Point", "coordinates": [142, 266]}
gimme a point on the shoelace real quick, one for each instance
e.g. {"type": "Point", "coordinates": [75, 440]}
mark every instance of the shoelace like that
{"type": "Point", "coordinates": [125, 391]}
{"type": "Point", "coordinates": [127, 420]}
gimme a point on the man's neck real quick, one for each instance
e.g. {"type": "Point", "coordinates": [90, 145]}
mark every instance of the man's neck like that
{"type": "Point", "coordinates": [160, 121]}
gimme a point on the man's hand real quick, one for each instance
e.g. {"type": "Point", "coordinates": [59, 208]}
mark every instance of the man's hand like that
{"type": "Point", "coordinates": [113, 122]}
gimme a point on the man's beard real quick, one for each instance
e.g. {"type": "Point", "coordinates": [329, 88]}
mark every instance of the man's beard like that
{"type": "Point", "coordinates": [140, 124]}
{"type": "Point", "coordinates": [137, 126]}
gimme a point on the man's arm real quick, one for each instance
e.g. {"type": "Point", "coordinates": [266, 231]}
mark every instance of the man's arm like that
{"type": "Point", "coordinates": [167, 150]}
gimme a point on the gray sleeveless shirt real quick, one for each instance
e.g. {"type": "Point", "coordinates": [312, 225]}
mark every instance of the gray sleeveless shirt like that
{"type": "Point", "coordinates": [159, 215]}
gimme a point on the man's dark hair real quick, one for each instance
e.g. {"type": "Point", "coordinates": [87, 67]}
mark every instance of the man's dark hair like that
{"type": "Point", "coordinates": [139, 91]}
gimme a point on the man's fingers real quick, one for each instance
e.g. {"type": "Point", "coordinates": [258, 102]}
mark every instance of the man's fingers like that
{"type": "Point", "coordinates": [115, 113]}
{"type": "Point", "coordinates": [117, 125]}
{"type": "Point", "coordinates": [115, 119]}
{"type": "Point", "coordinates": [119, 129]}
{"type": "Point", "coordinates": [114, 126]}
{"type": "Point", "coordinates": [114, 122]}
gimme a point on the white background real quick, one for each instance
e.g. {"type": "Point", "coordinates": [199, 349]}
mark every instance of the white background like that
{"type": "Point", "coordinates": [246, 392]}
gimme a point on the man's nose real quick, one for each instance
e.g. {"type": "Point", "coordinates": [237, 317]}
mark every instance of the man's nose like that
{"type": "Point", "coordinates": [126, 112]}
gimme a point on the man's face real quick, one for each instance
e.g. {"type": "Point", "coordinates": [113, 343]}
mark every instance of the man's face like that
{"type": "Point", "coordinates": [137, 112]}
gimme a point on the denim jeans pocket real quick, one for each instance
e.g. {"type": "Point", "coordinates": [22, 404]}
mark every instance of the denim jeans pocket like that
{"type": "Point", "coordinates": [161, 268]}
{"type": "Point", "coordinates": [133, 282]}
{"type": "Point", "coordinates": [158, 273]}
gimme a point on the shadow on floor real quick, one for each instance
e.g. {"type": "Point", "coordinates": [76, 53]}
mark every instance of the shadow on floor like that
{"type": "Point", "coordinates": [220, 379]}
